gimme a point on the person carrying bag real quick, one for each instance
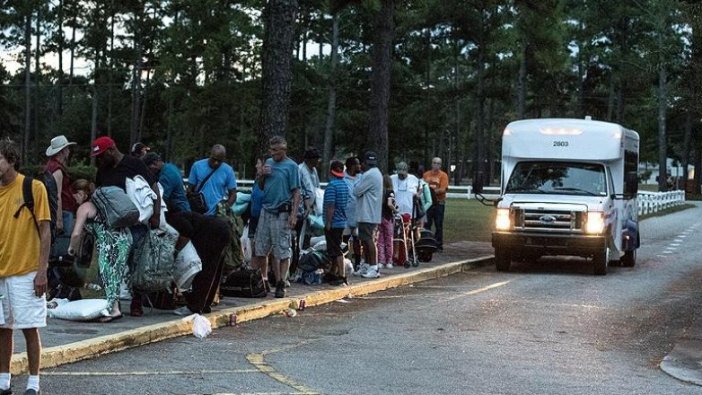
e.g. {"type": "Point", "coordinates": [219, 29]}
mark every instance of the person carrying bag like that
{"type": "Point", "coordinates": [197, 199]}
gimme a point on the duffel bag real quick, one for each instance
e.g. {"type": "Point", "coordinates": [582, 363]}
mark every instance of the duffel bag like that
{"type": "Point", "coordinates": [115, 207]}
{"type": "Point", "coordinates": [244, 283]}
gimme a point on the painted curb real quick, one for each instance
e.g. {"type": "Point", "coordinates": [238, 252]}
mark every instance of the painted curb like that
{"type": "Point", "coordinates": [85, 349]}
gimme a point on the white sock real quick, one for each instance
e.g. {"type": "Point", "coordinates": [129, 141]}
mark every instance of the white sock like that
{"type": "Point", "coordinates": [5, 380]}
{"type": "Point", "coordinates": [33, 382]}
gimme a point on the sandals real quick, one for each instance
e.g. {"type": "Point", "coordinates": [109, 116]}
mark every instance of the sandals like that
{"type": "Point", "coordinates": [110, 318]}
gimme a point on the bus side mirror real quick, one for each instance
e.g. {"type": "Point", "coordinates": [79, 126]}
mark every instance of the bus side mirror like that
{"type": "Point", "coordinates": [631, 183]}
{"type": "Point", "coordinates": [477, 185]}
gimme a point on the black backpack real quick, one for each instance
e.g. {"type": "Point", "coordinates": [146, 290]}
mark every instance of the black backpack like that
{"type": "Point", "coordinates": [49, 182]}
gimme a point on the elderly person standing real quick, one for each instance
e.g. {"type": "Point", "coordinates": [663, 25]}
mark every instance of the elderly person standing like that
{"type": "Point", "coordinates": [58, 153]}
{"type": "Point", "coordinates": [280, 181]}
{"type": "Point", "coordinates": [438, 182]}
{"type": "Point", "coordinates": [369, 195]}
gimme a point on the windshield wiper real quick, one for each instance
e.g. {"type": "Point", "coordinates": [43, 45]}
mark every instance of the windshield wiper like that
{"type": "Point", "coordinates": [524, 189]}
{"type": "Point", "coordinates": [576, 190]}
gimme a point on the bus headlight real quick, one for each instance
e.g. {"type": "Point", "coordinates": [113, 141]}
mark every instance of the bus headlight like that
{"type": "Point", "coordinates": [595, 222]}
{"type": "Point", "coordinates": [502, 220]}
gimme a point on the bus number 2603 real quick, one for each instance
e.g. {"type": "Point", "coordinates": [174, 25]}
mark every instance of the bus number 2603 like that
{"type": "Point", "coordinates": [560, 143]}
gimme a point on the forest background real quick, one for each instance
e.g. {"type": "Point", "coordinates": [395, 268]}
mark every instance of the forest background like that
{"type": "Point", "coordinates": [409, 79]}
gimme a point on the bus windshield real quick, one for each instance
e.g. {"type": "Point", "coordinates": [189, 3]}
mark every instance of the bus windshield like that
{"type": "Point", "coordinates": [558, 178]}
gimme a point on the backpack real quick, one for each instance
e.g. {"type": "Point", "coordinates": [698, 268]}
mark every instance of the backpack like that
{"type": "Point", "coordinates": [154, 262]}
{"type": "Point", "coordinates": [47, 179]}
{"type": "Point", "coordinates": [115, 207]}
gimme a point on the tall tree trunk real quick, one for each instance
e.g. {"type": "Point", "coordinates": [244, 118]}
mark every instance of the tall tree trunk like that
{"type": "Point", "coordinates": [142, 114]}
{"type": "Point", "coordinates": [60, 60]}
{"type": "Point", "coordinates": [662, 138]}
{"type": "Point", "coordinates": [331, 103]}
{"type": "Point", "coordinates": [93, 117]}
{"type": "Point", "coordinates": [381, 64]}
{"type": "Point", "coordinates": [136, 88]}
{"type": "Point", "coordinates": [698, 168]}
{"type": "Point", "coordinates": [37, 80]}
{"type": "Point", "coordinates": [27, 83]}
{"type": "Point", "coordinates": [610, 98]}
{"type": "Point", "coordinates": [278, 43]}
{"type": "Point", "coordinates": [687, 142]}
{"type": "Point", "coordinates": [110, 71]}
{"type": "Point", "coordinates": [480, 114]}
{"type": "Point", "coordinates": [73, 51]}
{"type": "Point", "coordinates": [521, 84]}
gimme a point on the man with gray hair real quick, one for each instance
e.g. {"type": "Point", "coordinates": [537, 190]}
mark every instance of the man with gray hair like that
{"type": "Point", "coordinates": [280, 182]}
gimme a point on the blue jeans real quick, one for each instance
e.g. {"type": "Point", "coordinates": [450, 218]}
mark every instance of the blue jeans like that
{"type": "Point", "coordinates": [69, 219]}
{"type": "Point", "coordinates": [435, 216]}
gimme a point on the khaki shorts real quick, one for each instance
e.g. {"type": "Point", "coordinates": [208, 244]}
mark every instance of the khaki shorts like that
{"type": "Point", "coordinates": [21, 308]}
{"type": "Point", "coordinates": [366, 231]}
{"type": "Point", "coordinates": [273, 233]}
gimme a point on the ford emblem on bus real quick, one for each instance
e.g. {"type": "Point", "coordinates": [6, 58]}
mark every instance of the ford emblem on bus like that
{"type": "Point", "coordinates": [547, 219]}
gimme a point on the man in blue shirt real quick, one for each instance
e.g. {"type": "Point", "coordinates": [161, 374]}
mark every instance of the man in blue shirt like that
{"type": "Point", "coordinates": [172, 182]}
{"type": "Point", "coordinates": [336, 197]}
{"type": "Point", "coordinates": [214, 178]}
{"type": "Point", "coordinates": [280, 182]}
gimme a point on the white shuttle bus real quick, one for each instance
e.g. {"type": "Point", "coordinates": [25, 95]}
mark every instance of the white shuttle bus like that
{"type": "Point", "coordinates": [568, 187]}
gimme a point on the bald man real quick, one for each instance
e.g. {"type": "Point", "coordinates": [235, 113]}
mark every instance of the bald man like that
{"type": "Point", "coordinates": [214, 178]}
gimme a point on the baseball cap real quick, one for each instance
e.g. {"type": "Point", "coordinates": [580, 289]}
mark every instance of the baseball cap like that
{"type": "Point", "coordinates": [336, 168]}
{"type": "Point", "coordinates": [402, 167]}
{"type": "Point", "coordinates": [151, 158]}
{"type": "Point", "coordinates": [370, 158]}
{"type": "Point", "coordinates": [312, 153]}
{"type": "Point", "coordinates": [100, 145]}
{"type": "Point", "coordinates": [138, 146]}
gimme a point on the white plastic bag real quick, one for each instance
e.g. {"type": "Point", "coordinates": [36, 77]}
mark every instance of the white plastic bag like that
{"type": "Point", "coordinates": [246, 244]}
{"type": "Point", "coordinates": [188, 264]}
{"type": "Point", "coordinates": [201, 326]}
{"type": "Point", "coordinates": [80, 310]}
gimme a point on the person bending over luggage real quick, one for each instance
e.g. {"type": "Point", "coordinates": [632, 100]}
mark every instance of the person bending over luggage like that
{"type": "Point", "coordinates": [209, 235]}
{"type": "Point", "coordinates": [111, 245]}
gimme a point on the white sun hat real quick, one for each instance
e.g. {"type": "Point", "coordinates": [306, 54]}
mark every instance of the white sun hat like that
{"type": "Point", "coordinates": [57, 144]}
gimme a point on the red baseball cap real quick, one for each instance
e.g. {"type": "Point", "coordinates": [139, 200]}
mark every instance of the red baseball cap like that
{"type": "Point", "coordinates": [100, 145]}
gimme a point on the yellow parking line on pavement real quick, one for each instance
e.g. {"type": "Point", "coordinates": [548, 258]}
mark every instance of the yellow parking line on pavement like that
{"type": "Point", "coordinates": [257, 360]}
{"type": "Point", "coordinates": [152, 373]}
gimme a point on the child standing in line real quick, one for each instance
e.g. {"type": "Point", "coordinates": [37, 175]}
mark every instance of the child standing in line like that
{"type": "Point", "coordinates": [385, 230]}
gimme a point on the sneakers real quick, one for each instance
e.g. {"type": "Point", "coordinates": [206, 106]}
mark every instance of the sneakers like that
{"type": "Point", "coordinates": [280, 289]}
{"type": "Point", "coordinates": [361, 269]}
{"type": "Point", "coordinates": [182, 311]}
{"type": "Point", "coordinates": [6, 392]}
{"type": "Point", "coordinates": [371, 272]}
{"type": "Point", "coordinates": [388, 266]}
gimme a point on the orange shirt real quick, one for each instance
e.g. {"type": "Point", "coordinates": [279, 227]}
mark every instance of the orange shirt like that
{"type": "Point", "coordinates": [19, 239]}
{"type": "Point", "coordinates": [437, 180]}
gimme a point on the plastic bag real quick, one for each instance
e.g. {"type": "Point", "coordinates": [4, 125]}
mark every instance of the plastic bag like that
{"type": "Point", "coordinates": [188, 264]}
{"type": "Point", "coordinates": [246, 246]}
{"type": "Point", "coordinates": [201, 326]}
{"type": "Point", "coordinates": [79, 310]}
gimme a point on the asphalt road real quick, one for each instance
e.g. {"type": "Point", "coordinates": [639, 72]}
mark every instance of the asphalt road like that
{"type": "Point", "coordinates": [549, 327]}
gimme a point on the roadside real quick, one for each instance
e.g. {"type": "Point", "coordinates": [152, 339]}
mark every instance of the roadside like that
{"type": "Point", "coordinates": [69, 341]}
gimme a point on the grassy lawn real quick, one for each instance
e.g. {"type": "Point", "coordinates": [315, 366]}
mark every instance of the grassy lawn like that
{"type": "Point", "coordinates": [467, 220]}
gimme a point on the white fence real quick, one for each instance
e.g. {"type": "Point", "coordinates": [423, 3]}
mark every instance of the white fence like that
{"type": "Point", "coordinates": [649, 202]}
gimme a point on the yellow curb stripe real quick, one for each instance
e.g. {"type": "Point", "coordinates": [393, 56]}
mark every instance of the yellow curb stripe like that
{"type": "Point", "coordinates": [90, 348]}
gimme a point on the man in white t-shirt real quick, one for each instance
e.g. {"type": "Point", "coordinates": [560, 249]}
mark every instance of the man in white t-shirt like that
{"type": "Point", "coordinates": [406, 186]}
